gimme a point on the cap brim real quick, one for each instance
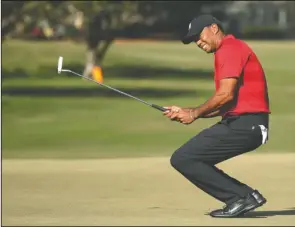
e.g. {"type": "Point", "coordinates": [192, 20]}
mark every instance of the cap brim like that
{"type": "Point", "coordinates": [191, 36]}
{"type": "Point", "coordinates": [187, 39]}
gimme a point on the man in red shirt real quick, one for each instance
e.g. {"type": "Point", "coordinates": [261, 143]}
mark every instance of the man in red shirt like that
{"type": "Point", "coordinates": [241, 99]}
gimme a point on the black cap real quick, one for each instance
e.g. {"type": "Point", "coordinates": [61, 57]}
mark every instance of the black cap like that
{"type": "Point", "coordinates": [197, 25]}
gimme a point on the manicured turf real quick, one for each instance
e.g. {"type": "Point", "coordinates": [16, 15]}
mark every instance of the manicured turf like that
{"type": "Point", "coordinates": [138, 192]}
{"type": "Point", "coordinates": [47, 115]}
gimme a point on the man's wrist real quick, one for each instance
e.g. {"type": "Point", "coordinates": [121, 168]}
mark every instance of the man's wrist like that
{"type": "Point", "coordinates": [194, 113]}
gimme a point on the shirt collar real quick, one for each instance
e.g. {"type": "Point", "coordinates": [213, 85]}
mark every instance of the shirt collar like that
{"type": "Point", "coordinates": [224, 39]}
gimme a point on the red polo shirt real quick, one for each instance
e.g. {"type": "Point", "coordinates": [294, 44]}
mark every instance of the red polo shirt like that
{"type": "Point", "coordinates": [234, 58]}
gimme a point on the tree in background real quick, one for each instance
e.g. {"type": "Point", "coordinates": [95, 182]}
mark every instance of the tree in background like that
{"type": "Point", "coordinates": [103, 21]}
{"type": "Point", "coordinates": [107, 20]}
{"type": "Point", "coordinates": [11, 14]}
{"type": "Point", "coordinates": [292, 18]}
{"type": "Point", "coordinates": [19, 17]}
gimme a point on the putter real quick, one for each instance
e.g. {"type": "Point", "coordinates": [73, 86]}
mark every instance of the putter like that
{"type": "Point", "coordinates": [60, 69]}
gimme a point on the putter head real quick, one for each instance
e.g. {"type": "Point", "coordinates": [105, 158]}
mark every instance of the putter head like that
{"type": "Point", "coordinates": [59, 64]}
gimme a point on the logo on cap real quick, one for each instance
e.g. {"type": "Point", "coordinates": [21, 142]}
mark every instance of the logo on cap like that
{"type": "Point", "coordinates": [189, 26]}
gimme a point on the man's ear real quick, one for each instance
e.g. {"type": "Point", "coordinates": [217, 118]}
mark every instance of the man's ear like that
{"type": "Point", "coordinates": [214, 28]}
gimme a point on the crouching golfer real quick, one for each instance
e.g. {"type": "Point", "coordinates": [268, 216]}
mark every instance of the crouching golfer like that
{"type": "Point", "coordinates": [241, 99]}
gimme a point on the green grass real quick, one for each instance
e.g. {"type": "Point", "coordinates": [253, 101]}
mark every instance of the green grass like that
{"type": "Point", "coordinates": [47, 115]}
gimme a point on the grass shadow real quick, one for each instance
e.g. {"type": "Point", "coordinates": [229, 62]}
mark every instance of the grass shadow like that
{"type": "Point", "coordinates": [145, 72]}
{"type": "Point", "coordinates": [270, 213]}
{"type": "Point", "coordinates": [117, 71]}
{"type": "Point", "coordinates": [61, 91]}
{"type": "Point", "coordinates": [256, 214]}
{"type": "Point", "coordinates": [13, 74]}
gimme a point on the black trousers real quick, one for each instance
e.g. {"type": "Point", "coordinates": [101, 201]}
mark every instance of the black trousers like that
{"type": "Point", "coordinates": [232, 136]}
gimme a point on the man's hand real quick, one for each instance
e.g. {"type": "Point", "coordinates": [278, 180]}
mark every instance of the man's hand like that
{"type": "Point", "coordinates": [183, 115]}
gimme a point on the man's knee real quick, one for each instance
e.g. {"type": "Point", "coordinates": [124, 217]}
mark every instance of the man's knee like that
{"type": "Point", "coordinates": [193, 151]}
{"type": "Point", "coordinates": [188, 165]}
{"type": "Point", "coordinates": [177, 160]}
{"type": "Point", "coordinates": [181, 160]}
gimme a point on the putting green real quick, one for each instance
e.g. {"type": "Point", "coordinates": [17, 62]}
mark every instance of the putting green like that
{"type": "Point", "coordinates": [138, 191]}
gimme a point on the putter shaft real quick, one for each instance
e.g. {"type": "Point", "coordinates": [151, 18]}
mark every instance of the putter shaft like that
{"type": "Point", "coordinates": [121, 92]}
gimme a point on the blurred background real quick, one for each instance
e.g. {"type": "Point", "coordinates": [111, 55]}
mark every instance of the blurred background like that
{"type": "Point", "coordinates": [134, 46]}
{"type": "Point", "coordinates": [51, 122]}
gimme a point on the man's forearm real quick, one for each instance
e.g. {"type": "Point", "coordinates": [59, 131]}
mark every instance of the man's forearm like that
{"type": "Point", "coordinates": [215, 113]}
{"type": "Point", "coordinates": [213, 107]}
{"type": "Point", "coordinates": [209, 115]}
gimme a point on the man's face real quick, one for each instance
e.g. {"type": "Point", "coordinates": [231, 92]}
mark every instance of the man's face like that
{"type": "Point", "coordinates": [207, 39]}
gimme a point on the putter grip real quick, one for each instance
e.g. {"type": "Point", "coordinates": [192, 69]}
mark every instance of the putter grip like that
{"type": "Point", "coordinates": [159, 107]}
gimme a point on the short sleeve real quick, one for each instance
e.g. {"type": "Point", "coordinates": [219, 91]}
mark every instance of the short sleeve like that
{"type": "Point", "coordinates": [231, 61]}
